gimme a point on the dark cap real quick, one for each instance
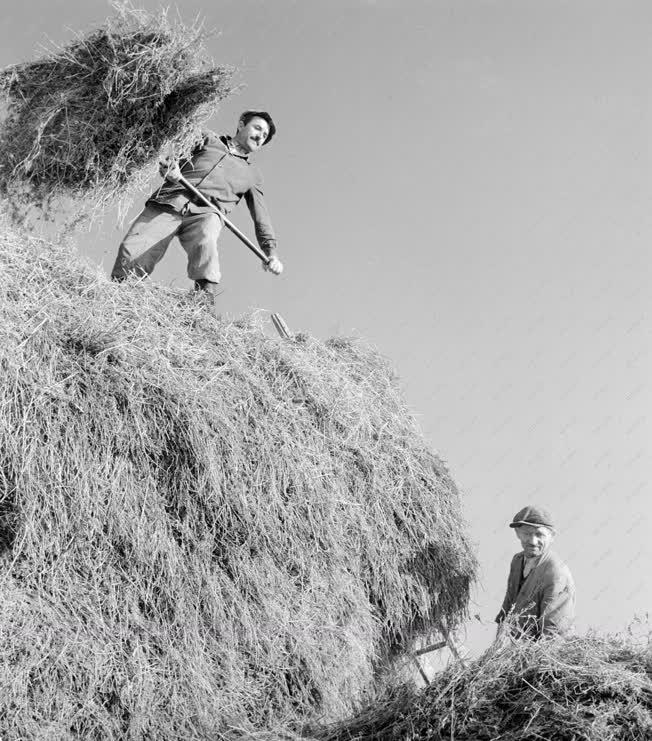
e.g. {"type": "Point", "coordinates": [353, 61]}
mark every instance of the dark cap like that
{"type": "Point", "coordinates": [532, 515]}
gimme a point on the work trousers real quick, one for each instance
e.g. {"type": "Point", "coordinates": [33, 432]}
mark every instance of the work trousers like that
{"type": "Point", "coordinates": [151, 233]}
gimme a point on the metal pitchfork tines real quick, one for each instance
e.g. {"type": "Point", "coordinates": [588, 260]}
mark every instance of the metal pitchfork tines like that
{"type": "Point", "coordinates": [281, 326]}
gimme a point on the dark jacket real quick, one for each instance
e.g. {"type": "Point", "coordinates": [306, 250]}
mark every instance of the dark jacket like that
{"type": "Point", "coordinates": [544, 602]}
{"type": "Point", "coordinates": [225, 178]}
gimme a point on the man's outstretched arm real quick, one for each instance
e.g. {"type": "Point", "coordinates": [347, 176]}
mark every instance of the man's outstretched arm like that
{"type": "Point", "coordinates": [263, 225]}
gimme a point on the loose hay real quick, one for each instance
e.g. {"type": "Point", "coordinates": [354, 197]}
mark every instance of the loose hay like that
{"type": "Point", "coordinates": [84, 124]}
{"type": "Point", "coordinates": [207, 532]}
{"type": "Point", "coordinates": [579, 689]}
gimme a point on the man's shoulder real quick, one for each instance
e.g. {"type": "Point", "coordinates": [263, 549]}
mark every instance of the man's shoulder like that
{"type": "Point", "coordinates": [555, 566]}
{"type": "Point", "coordinates": [210, 139]}
{"type": "Point", "coordinates": [210, 135]}
{"type": "Point", "coordinates": [256, 174]}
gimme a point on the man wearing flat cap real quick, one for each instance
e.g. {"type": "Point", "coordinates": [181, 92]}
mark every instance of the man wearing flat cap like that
{"type": "Point", "coordinates": [540, 589]}
{"type": "Point", "coordinates": [221, 168]}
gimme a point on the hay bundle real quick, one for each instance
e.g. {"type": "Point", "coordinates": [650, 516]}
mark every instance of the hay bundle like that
{"type": "Point", "coordinates": [580, 689]}
{"type": "Point", "coordinates": [85, 121]}
{"type": "Point", "coordinates": [205, 529]}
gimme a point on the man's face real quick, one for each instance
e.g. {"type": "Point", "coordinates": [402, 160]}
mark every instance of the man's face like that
{"type": "Point", "coordinates": [535, 539]}
{"type": "Point", "coordinates": [252, 135]}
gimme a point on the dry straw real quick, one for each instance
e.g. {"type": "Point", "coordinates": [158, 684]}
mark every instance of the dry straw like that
{"type": "Point", "coordinates": [84, 124]}
{"type": "Point", "coordinates": [208, 532]}
{"type": "Point", "coordinates": [581, 689]}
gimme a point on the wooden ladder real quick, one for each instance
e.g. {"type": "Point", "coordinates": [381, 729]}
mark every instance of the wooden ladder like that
{"type": "Point", "coordinates": [446, 642]}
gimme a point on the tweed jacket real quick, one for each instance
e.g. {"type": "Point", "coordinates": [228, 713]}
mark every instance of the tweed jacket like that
{"type": "Point", "coordinates": [225, 177]}
{"type": "Point", "coordinates": [543, 604]}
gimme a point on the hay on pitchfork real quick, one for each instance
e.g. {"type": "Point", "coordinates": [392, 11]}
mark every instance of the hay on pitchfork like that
{"type": "Point", "coordinates": [88, 120]}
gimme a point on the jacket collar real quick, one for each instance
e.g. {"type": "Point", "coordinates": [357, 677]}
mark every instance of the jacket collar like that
{"type": "Point", "coordinates": [228, 143]}
{"type": "Point", "coordinates": [542, 560]}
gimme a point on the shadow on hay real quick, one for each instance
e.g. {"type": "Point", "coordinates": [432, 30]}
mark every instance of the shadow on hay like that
{"type": "Point", "coordinates": [9, 521]}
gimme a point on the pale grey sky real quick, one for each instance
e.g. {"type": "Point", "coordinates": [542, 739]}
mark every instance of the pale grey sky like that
{"type": "Point", "coordinates": [467, 185]}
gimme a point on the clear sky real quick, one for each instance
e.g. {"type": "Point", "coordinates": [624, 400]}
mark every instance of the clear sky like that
{"type": "Point", "coordinates": [467, 184]}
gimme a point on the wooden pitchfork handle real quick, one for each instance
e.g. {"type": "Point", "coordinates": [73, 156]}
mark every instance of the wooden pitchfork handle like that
{"type": "Point", "coordinates": [243, 237]}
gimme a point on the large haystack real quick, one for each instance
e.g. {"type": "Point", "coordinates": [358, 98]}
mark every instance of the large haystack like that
{"type": "Point", "coordinates": [580, 689]}
{"type": "Point", "coordinates": [86, 123]}
{"type": "Point", "coordinates": [203, 527]}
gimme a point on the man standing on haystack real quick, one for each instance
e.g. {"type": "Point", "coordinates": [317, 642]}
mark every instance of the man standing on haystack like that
{"type": "Point", "coordinates": [221, 169]}
{"type": "Point", "coordinates": [540, 589]}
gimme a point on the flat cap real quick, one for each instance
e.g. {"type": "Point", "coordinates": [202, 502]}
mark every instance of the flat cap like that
{"type": "Point", "coordinates": [532, 515]}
